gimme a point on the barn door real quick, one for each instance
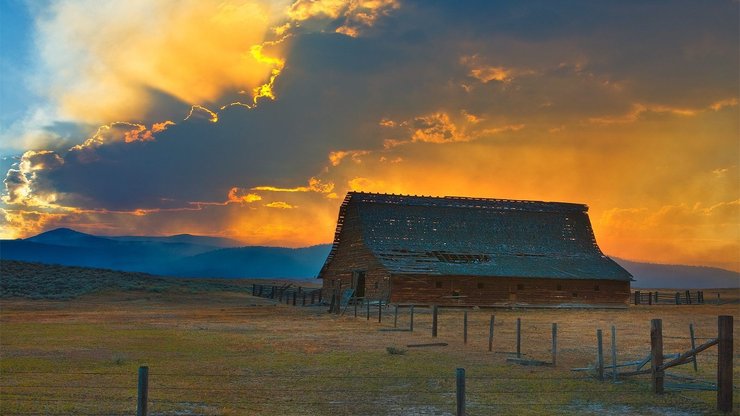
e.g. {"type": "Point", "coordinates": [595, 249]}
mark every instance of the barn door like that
{"type": "Point", "coordinates": [358, 283]}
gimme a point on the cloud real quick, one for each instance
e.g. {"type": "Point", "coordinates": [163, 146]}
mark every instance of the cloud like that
{"type": "Point", "coordinates": [280, 205]}
{"type": "Point", "coordinates": [491, 99]}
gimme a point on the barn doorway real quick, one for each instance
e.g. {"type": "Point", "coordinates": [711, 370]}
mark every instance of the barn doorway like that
{"type": "Point", "coordinates": [358, 283]}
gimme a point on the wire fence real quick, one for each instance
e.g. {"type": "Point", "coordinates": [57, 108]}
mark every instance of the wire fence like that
{"type": "Point", "coordinates": [185, 393]}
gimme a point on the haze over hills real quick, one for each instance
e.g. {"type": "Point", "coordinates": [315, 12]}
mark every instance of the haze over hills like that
{"type": "Point", "coordinates": [200, 256]}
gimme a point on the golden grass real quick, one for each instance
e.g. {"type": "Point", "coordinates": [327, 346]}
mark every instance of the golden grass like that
{"type": "Point", "coordinates": [231, 354]}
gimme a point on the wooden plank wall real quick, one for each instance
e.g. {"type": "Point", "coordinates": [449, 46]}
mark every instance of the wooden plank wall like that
{"type": "Point", "coordinates": [353, 255]}
{"type": "Point", "coordinates": [482, 291]}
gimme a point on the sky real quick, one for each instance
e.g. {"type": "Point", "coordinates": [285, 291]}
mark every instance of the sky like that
{"type": "Point", "coordinates": [252, 119]}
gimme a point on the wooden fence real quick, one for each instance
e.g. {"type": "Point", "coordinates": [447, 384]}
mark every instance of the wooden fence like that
{"type": "Point", "coordinates": [686, 297]}
{"type": "Point", "coordinates": [658, 365]}
{"type": "Point", "coordinates": [289, 294]}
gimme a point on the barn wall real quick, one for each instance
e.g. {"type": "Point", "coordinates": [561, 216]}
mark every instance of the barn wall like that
{"type": "Point", "coordinates": [353, 255]}
{"type": "Point", "coordinates": [491, 291]}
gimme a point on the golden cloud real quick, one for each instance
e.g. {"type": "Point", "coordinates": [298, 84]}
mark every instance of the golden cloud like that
{"type": "Point", "coordinates": [114, 55]}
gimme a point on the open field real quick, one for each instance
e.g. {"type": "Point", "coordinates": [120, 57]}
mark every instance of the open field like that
{"type": "Point", "coordinates": [229, 353]}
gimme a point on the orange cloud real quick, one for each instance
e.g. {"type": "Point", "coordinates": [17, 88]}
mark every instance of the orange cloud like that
{"type": "Point", "coordinates": [114, 56]}
{"type": "Point", "coordinates": [240, 195]}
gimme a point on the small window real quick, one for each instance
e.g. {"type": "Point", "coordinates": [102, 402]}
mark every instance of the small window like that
{"type": "Point", "coordinates": [438, 285]}
{"type": "Point", "coordinates": [480, 285]}
{"type": "Point", "coordinates": [575, 294]}
{"type": "Point", "coordinates": [560, 287]}
{"type": "Point", "coordinates": [520, 287]}
{"type": "Point", "coordinates": [596, 288]}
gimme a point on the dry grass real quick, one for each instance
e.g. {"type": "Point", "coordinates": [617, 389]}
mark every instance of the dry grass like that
{"type": "Point", "coordinates": [229, 353]}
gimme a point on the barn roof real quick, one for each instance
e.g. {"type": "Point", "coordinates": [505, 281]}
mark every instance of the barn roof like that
{"type": "Point", "coordinates": [478, 237]}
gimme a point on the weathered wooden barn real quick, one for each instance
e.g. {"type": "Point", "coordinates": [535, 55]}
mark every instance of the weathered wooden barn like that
{"type": "Point", "coordinates": [470, 251]}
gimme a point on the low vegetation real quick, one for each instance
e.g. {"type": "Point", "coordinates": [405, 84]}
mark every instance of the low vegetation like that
{"type": "Point", "coordinates": [216, 350]}
{"type": "Point", "coordinates": [43, 281]}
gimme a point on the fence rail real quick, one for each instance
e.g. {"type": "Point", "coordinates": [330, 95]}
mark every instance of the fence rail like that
{"type": "Point", "coordinates": [686, 297]}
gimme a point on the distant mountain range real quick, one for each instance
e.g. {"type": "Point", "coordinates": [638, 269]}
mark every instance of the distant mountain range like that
{"type": "Point", "coordinates": [187, 255]}
{"type": "Point", "coordinates": [181, 255]}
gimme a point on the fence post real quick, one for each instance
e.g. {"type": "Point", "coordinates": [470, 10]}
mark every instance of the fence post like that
{"type": "Point", "coordinates": [599, 355]}
{"type": "Point", "coordinates": [411, 319]}
{"type": "Point", "coordinates": [143, 391]}
{"type": "Point", "coordinates": [490, 334]}
{"type": "Point", "coordinates": [688, 297]}
{"type": "Point", "coordinates": [656, 298]}
{"type": "Point", "coordinates": [724, 363]}
{"type": "Point", "coordinates": [321, 295]}
{"type": "Point", "coordinates": [435, 311]}
{"type": "Point", "coordinates": [637, 297]}
{"type": "Point", "coordinates": [518, 337]}
{"type": "Point", "coordinates": [656, 351]}
{"type": "Point", "coordinates": [693, 345]}
{"type": "Point", "coordinates": [380, 310]}
{"type": "Point", "coordinates": [294, 296]}
{"type": "Point", "coordinates": [554, 344]}
{"type": "Point", "coordinates": [356, 307]}
{"type": "Point", "coordinates": [460, 390]}
{"type": "Point", "coordinates": [367, 307]}
{"type": "Point", "coordinates": [254, 289]}
{"type": "Point", "coordinates": [304, 299]}
{"type": "Point", "coordinates": [465, 328]}
{"type": "Point", "coordinates": [650, 298]}
{"type": "Point", "coordinates": [395, 316]}
{"type": "Point", "coordinates": [614, 352]}
{"type": "Point", "coordinates": [678, 298]}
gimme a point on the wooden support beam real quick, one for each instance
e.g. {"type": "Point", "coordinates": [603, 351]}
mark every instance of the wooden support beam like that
{"type": "Point", "coordinates": [724, 363]}
{"type": "Point", "coordinates": [554, 344]}
{"type": "Point", "coordinates": [686, 356]}
{"type": "Point", "coordinates": [490, 333]}
{"type": "Point", "coordinates": [465, 328]}
{"type": "Point", "coordinates": [656, 351]}
{"type": "Point", "coordinates": [434, 321]}
{"type": "Point", "coordinates": [599, 355]}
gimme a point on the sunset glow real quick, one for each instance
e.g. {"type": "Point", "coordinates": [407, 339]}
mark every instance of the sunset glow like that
{"type": "Point", "coordinates": [252, 119]}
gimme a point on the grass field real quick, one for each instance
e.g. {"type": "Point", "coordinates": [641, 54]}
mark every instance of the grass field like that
{"type": "Point", "coordinates": [229, 353]}
{"type": "Point", "coordinates": [224, 352]}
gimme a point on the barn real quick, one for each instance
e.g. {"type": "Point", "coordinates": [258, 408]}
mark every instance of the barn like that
{"type": "Point", "coordinates": [470, 252]}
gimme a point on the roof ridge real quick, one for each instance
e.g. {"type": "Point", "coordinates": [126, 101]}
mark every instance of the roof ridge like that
{"type": "Point", "coordinates": [466, 201]}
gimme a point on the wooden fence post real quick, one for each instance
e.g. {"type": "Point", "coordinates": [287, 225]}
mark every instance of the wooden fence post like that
{"type": "Point", "coordinates": [254, 289]}
{"type": "Point", "coordinates": [688, 297]}
{"type": "Point", "coordinates": [294, 296]}
{"type": "Point", "coordinates": [380, 310]}
{"type": "Point", "coordinates": [395, 317]}
{"type": "Point", "coordinates": [693, 345]}
{"type": "Point", "coordinates": [460, 390]}
{"type": "Point", "coordinates": [599, 356]}
{"type": "Point", "coordinates": [465, 328]}
{"type": "Point", "coordinates": [143, 391]}
{"type": "Point", "coordinates": [656, 298]}
{"type": "Point", "coordinates": [435, 311]}
{"type": "Point", "coordinates": [637, 297]}
{"type": "Point", "coordinates": [678, 298]}
{"type": "Point", "coordinates": [490, 334]}
{"type": "Point", "coordinates": [724, 363]}
{"type": "Point", "coordinates": [356, 307]}
{"type": "Point", "coordinates": [554, 344]}
{"type": "Point", "coordinates": [304, 299]}
{"type": "Point", "coordinates": [367, 307]}
{"type": "Point", "coordinates": [518, 337]}
{"type": "Point", "coordinates": [411, 318]}
{"type": "Point", "coordinates": [656, 351]}
{"type": "Point", "coordinates": [650, 298]}
{"type": "Point", "coordinates": [614, 352]}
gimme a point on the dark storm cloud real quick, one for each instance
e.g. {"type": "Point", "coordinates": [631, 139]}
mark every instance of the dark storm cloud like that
{"type": "Point", "coordinates": [567, 62]}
